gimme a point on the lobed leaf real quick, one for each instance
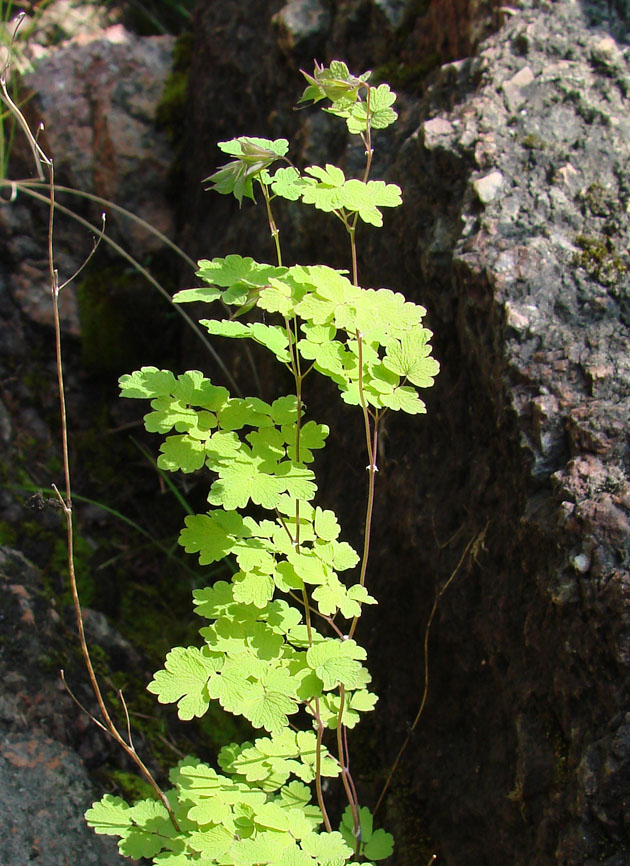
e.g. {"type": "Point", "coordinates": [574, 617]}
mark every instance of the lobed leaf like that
{"type": "Point", "coordinates": [335, 661]}
{"type": "Point", "coordinates": [375, 844]}
{"type": "Point", "coordinates": [184, 680]}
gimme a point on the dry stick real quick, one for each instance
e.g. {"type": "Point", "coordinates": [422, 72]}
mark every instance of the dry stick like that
{"type": "Point", "coordinates": [110, 205]}
{"type": "Point", "coordinates": [66, 502]}
{"type": "Point", "coordinates": [138, 267]}
{"type": "Point", "coordinates": [476, 542]}
{"type": "Point", "coordinates": [345, 771]}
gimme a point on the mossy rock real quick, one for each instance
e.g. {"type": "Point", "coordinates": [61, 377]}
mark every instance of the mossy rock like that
{"type": "Point", "coordinates": [123, 323]}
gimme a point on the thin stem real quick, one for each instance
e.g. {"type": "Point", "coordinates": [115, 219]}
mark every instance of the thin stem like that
{"type": "Point", "coordinates": [33, 184]}
{"type": "Point", "coordinates": [353, 252]}
{"type": "Point", "coordinates": [318, 766]}
{"type": "Point", "coordinates": [292, 336]}
{"type": "Point", "coordinates": [367, 140]}
{"type": "Point", "coordinates": [350, 793]}
{"type": "Point", "coordinates": [66, 502]}
{"type": "Point", "coordinates": [142, 271]}
{"type": "Point", "coordinates": [275, 231]}
{"type": "Point", "coordinates": [475, 543]}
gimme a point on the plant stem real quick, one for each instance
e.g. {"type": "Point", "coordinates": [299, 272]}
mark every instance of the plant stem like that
{"type": "Point", "coordinates": [345, 772]}
{"type": "Point", "coordinates": [474, 544]}
{"type": "Point", "coordinates": [292, 336]}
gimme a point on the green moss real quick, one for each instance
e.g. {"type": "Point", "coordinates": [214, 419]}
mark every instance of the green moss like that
{"type": "Point", "coordinates": [533, 142]}
{"type": "Point", "coordinates": [405, 76]}
{"type": "Point", "coordinates": [122, 321]}
{"type": "Point", "coordinates": [413, 844]}
{"type": "Point", "coordinates": [599, 260]}
{"type": "Point", "coordinates": [599, 200]}
{"type": "Point", "coordinates": [172, 106]}
{"type": "Point", "coordinates": [130, 786]}
{"type": "Point", "coordinates": [8, 534]}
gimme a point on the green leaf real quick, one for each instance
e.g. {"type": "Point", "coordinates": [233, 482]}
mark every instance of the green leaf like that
{"type": "Point", "coordinates": [312, 437]}
{"type": "Point", "coordinates": [181, 452]}
{"type": "Point", "coordinates": [241, 276]}
{"type": "Point", "coordinates": [335, 661]}
{"type": "Point", "coordinates": [231, 685]}
{"type": "Point", "coordinates": [334, 596]}
{"type": "Point", "coordinates": [356, 702]}
{"type": "Point", "coordinates": [333, 300]}
{"type": "Point", "coordinates": [271, 760]}
{"type": "Point", "coordinates": [152, 828]}
{"type": "Point", "coordinates": [294, 856]}
{"type": "Point", "coordinates": [273, 337]}
{"type": "Point", "coordinates": [185, 680]}
{"type": "Point", "coordinates": [212, 535]}
{"type": "Point", "coordinates": [327, 847]}
{"type": "Point", "coordinates": [212, 843]}
{"type": "Point", "coordinates": [253, 588]}
{"type": "Point", "coordinates": [245, 412]}
{"type": "Point", "coordinates": [287, 184]}
{"type": "Point", "coordinates": [384, 315]}
{"type": "Point", "coordinates": [410, 358]}
{"type": "Point", "coordinates": [326, 525]}
{"type": "Point", "coordinates": [270, 701]}
{"type": "Point", "coordinates": [405, 399]}
{"type": "Point", "coordinates": [109, 816]}
{"type": "Point", "coordinates": [242, 482]}
{"type": "Point", "coordinates": [326, 191]}
{"type": "Point", "coordinates": [266, 847]}
{"type": "Point", "coordinates": [380, 114]}
{"type": "Point", "coordinates": [213, 810]}
{"type": "Point", "coordinates": [284, 410]}
{"type": "Point", "coordinates": [375, 844]}
{"type": "Point", "coordinates": [367, 198]}
{"type": "Point", "coordinates": [338, 554]}
{"type": "Point", "coordinates": [215, 601]}
{"type": "Point", "coordinates": [253, 156]}
{"type": "Point", "coordinates": [147, 382]}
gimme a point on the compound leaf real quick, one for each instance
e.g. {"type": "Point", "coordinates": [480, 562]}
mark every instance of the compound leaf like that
{"type": "Point", "coordinates": [410, 358]}
{"type": "Point", "coordinates": [335, 661]}
{"type": "Point", "coordinates": [185, 680]}
{"type": "Point", "coordinates": [375, 844]}
{"type": "Point", "coordinates": [110, 816]}
{"type": "Point", "coordinates": [327, 847]}
{"type": "Point", "coordinates": [286, 183]}
{"type": "Point", "coordinates": [211, 535]}
{"type": "Point", "coordinates": [181, 452]}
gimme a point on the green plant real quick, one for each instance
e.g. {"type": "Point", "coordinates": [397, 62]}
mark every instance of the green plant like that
{"type": "Point", "coordinates": [280, 644]}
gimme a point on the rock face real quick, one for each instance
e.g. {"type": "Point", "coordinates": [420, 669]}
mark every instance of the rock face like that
{"type": "Point", "coordinates": [44, 787]}
{"type": "Point", "coordinates": [514, 167]}
{"type": "Point", "coordinates": [96, 98]}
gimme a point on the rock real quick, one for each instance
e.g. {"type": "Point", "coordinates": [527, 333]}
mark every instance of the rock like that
{"type": "Point", "coordinates": [515, 87]}
{"type": "Point", "coordinates": [523, 752]}
{"type": "Point", "coordinates": [487, 188]}
{"type": "Point", "coordinates": [301, 24]}
{"type": "Point", "coordinates": [437, 132]}
{"type": "Point", "coordinates": [44, 786]}
{"type": "Point", "coordinates": [96, 96]}
{"type": "Point", "coordinates": [44, 791]}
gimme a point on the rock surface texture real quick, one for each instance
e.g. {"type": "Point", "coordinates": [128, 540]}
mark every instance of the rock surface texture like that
{"type": "Point", "coordinates": [44, 786]}
{"type": "Point", "coordinates": [96, 97]}
{"type": "Point", "coordinates": [515, 166]}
